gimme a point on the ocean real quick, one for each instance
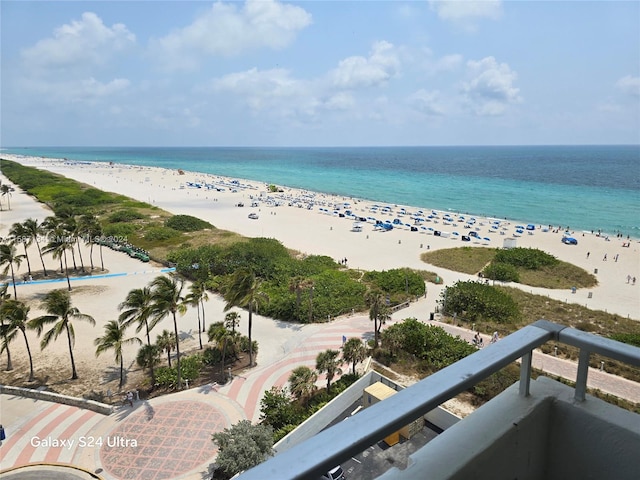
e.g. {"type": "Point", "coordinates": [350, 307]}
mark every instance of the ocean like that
{"type": "Point", "coordinates": [580, 187]}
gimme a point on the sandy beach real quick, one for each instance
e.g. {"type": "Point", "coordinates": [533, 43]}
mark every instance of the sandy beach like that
{"type": "Point", "coordinates": [301, 220]}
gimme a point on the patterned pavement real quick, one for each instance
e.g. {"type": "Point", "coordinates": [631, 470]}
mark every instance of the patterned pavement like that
{"type": "Point", "coordinates": [173, 433]}
{"type": "Point", "coordinates": [162, 442]}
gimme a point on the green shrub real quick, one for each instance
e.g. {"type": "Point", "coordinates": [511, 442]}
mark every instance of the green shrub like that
{"type": "Point", "coordinates": [503, 272]}
{"type": "Point", "coordinates": [186, 223]}
{"type": "Point", "coordinates": [159, 234]}
{"type": "Point", "coordinates": [529, 258]}
{"type": "Point", "coordinates": [190, 367]}
{"type": "Point", "coordinates": [476, 301]}
{"type": "Point", "coordinates": [119, 230]}
{"type": "Point", "coordinates": [126, 215]}
{"type": "Point", "coordinates": [629, 338]}
{"type": "Point", "coordinates": [398, 280]}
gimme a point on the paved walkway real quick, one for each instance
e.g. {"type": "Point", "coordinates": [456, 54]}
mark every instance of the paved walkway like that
{"type": "Point", "coordinates": [170, 436]}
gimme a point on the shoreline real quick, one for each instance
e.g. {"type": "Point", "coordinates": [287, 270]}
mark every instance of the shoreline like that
{"type": "Point", "coordinates": [307, 221]}
{"type": "Point", "coordinates": [551, 208]}
{"type": "Point", "coordinates": [260, 185]}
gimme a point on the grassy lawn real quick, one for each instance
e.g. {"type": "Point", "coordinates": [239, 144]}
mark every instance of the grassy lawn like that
{"type": "Point", "coordinates": [471, 260]}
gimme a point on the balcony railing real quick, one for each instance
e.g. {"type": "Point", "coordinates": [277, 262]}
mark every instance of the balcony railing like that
{"type": "Point", "coordinates": [317, 455]}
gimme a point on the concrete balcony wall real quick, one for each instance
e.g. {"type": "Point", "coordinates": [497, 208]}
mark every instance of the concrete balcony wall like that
{"type": "Point", "coordinates": [543, 436]}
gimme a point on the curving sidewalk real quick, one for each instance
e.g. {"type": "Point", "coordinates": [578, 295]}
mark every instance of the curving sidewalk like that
{"type": "Point", "coordinates": [170, 436]}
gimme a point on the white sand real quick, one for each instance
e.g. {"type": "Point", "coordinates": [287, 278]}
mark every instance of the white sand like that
{"type": "Point", "coordinates": [307, 231]}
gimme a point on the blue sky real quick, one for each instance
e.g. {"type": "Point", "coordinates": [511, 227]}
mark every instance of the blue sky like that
{"type": "Point", "coordinates": [323, 73]}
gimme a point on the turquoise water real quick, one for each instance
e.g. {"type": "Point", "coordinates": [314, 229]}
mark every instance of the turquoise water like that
{"type": "Point", "coordinates": [583, 187]}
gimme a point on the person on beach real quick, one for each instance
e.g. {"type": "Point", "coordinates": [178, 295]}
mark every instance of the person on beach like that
{"type": "Point", "coordinates": [588, 253]}
{"type": "Point", "coordinates": [130, 398]}
{"type": "Point", "coordinates": [495, 337]}
{"type": "Point", "coordinates": [605, 258]}
{"type": "Point", "coordinates": [628, 278]}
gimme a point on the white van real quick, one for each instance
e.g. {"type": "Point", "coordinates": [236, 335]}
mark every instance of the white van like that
{"type": "Point", "coordinates": [334, 474]}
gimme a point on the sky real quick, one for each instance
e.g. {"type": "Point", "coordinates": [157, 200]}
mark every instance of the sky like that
{"type": "Point", "coordinates": [319, 73]}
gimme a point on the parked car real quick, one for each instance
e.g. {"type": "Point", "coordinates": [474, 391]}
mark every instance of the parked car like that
{"type": "Point", "coordinates": [569, 241]}
{"type": "Point", "coordinates": [253, 216]}
{"type": "Point", "coordinates": [333, 474]}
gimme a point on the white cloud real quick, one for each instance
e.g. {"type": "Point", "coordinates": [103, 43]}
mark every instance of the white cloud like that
{"type": "Point", "coordinates": [459, 10]}
{"type": "Point", "coordinates": [84, 91]}
{"type": "Point", "coordinates": [491, 87]}
{"type": "Point", "coordinates": [227, 30]}
{"type": "Point", "coordinates": [629, 85]}
{"type": "Point", "coordinates": [84, 42]}
{"type": "Point", "coordinates": [357, 71]}
{"type": "Point", "coordinates": [447, 63]}
{"type": "Point", "coordinates": [429, 103]}
{"type": "Point", "coordinates": [340, 101]}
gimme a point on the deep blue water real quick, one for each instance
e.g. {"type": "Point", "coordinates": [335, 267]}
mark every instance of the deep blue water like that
{"type": "Point", "coordinates": [583, 187]}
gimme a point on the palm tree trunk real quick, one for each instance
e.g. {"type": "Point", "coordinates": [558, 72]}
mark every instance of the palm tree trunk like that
{"type": "Point", "coordinates": [91, 254]}
{"type": "Point", "coordinates": [13, 279]}
{"type": "Point", "coordinates": [169, 356]}
{"type": "Point", "coordinates": [153, 376]}
{"type": "Point", "coordinates": [80, 253]}
{"type": "Point", "coordinates": [66, 269]}
{"type": "Point", "coordinates": [250, 342]}
{"type": "Point", "coordinates": [203, 316]}
{"type": "Point", "coordinates": [199, 329]}
{"type": "Point", "coordinates": [41, 258]}
{"type": "Point", "coordinates": [375, 330]}
{"type": "Point", "coordinates": [24, 334]}
{"type": "Point", "coordinates": [26, 255]}
{"type": "Point", "coordinates": [121, 369]}
{"type": "Point", "coordinates": [175, 328]}
{"type": "Point", "coordinates": [73, 257]}
{"type": "Point", "coordinates": [74, 374]}
{"type": "Point", "coordinates": [224, 350]}
{"type": "Point", "coordinates": [6, 346]}
{"type": "Point", "coordinates": [101, 259]}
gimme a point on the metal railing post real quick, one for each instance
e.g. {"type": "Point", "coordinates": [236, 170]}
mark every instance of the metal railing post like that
{"type": "Point", "coordinates": [525, 374]}
{"type": "Point", "coordinates": [581, 377]}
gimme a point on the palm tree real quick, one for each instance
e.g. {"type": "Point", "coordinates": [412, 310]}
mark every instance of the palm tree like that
{"type": "Point", "coordinates": [57, 303]}
{"type": "Point", "coordinates": [311, 285]}
{"type": "Point", "coordinates": [73, 228]}
{"type": "Point", "coordinates": [6, 191]}
{"type": "Point", "coordinates": [244, 290]}
{"type": "Point", "coordinates": [149, 357]}
{"type": "Point", "coordinates": [329, 362]}
{"type": "Point", "coordinates": [232, 320]}
{"type": "Point", "coordinates": [4, 296]}
{"type": "Point", "coordinates": [90, 229]}
{"type": "Point", "coordinates": [354, 351]}
{"type": "Point", "coordinates": [5, 329]}
{"type": "Point", "coordinates": [34, 230]}
{"type": "Point", "coordinates": [378, 312]}
{"type": "Point", "coordinates": [166, 341]}
{"type": "Point", "coordinates": [167, 299]}
{"type": "Point", "coordinates": [19, 234]}
{"type": "Point", "coordinates": [296, 285]}
{"type": "Point", "coordinates": [138, 309]}
{"type": "Point", "coordinates": [113, 339]}
{"type": "Point", "coordinates": [59, 243]}
{"type": "Point", "coordinates": [17, 314]}
{"type": "Point", "coordinates": [10, 257]}
{"type": "Point", "coordinates": [195, 298]}
{"type": "Point", "coordinates": [302, 382]}
{"type": "Point", "coordinates": [223, 337]}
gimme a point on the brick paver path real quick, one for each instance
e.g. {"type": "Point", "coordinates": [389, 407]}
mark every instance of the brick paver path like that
{"type": "Point", "coordinates": [172, 439]}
